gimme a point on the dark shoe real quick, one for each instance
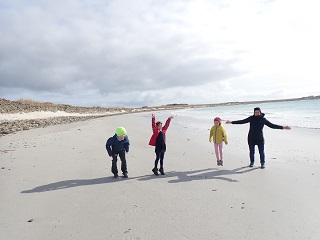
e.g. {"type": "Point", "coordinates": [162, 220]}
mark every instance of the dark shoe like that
{"type": "Point", "coordinates": [218, 162]}
{"type": "Point", "coordinates": [161, 171]}
{"type": "Point", "coordinates": [125, 175]}
{"type": "Point", "coordinates": [115, 175]}
{"type": "Point", "coordinates": [263, 166]}
{"type": "Point", "coordinates": [221, 163]}
{"type": "Point", "coordinates": [251, 165]}
{"type": "Point", "coordinates": [155, 171]}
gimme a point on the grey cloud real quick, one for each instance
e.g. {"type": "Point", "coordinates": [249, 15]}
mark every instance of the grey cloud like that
{"type": "Point", "coordinates": [63, 47]}
{"type": "Point", "coordinates": [50, 64]}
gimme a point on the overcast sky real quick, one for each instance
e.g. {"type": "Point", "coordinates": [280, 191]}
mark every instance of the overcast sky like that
{"type": "Point", "coordinates": [136, 53]}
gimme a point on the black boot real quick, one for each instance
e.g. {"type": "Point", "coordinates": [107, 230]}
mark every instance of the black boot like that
{"type": "Point", "coordinates": [161, 171]}
{"type": "Point", "coordinates": [155, 171]}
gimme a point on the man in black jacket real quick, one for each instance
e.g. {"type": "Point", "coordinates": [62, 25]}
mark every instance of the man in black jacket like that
{"type": "Point", "coordinates": [255, 135]}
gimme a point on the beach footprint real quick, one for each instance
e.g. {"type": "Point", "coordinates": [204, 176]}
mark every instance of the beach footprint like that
{"type": "Point", "coordinates": [129, 235]}
{"type": "Point", "coordinates": [133, 209]}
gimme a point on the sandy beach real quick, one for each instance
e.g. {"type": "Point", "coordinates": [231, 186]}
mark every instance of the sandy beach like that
{"type": "Point", "coordinates": [43, 114]}
{"type": "Point", "coordinates": [56, 183]}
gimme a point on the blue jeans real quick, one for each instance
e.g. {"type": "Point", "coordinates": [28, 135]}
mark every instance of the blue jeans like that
{"type": "Point", "coordinates": [261, 152]}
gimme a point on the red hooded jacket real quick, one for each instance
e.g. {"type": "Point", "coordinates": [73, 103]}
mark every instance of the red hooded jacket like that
{"type": "Point", "coordinates": [156, 131]}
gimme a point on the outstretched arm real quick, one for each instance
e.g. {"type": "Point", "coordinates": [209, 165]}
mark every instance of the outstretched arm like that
{"type": "Point", "coordinates": [275, 126]}
{"type": "Point", "coordinates": [246, 120]}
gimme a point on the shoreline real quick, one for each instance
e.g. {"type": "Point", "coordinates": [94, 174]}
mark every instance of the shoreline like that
{"type": "Point", "coordinates": [18, 115]}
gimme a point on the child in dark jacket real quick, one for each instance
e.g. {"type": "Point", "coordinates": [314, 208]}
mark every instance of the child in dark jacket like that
{"type": "Point", "coordinates": [118, 145]}
{"type": "Point", "coordinates": [158, 139]}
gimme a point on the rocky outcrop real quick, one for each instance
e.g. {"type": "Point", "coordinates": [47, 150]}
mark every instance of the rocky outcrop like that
{"type": "Point", "coordinates": [7, 106]}
{"type": "Point", "coordinates": [12, 107]}
{"type": "Point", "coordinates": [7, 127]}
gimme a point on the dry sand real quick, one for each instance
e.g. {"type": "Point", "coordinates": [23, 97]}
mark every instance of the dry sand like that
{"type": "Point", "coordinates": [55, 183]}
{"type": "Point", "coordinates": [46, 114]}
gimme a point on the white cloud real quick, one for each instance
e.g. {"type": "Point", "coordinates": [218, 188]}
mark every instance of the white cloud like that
{"type": "Point", "coordinates": [85, 52]}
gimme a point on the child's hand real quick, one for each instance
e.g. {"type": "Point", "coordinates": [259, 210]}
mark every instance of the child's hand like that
{"type": "Point", "coordinates": [171, 117]}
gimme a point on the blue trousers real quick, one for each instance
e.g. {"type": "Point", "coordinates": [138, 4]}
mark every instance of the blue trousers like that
{"type": "Point", "coordinates": [261, 152]}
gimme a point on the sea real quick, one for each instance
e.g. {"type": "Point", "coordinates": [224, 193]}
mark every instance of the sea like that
{"type": "Point", "coordinates": [298, 113]}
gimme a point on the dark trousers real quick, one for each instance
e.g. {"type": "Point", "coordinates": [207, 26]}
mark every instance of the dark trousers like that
{"type": "Point", "coordinates": [261, 152]}
{"type": "Point", "coordinates": [114, 168]}
{"type": "Point", "coordinates": [159, 156]}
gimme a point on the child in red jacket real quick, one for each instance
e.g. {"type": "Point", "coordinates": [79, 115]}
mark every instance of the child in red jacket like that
{"type": "Point", "coordinates": [158, 139]}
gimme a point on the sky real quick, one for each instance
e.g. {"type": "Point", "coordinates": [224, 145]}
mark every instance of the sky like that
{"type": "Point", "coordinates": [134, 53]}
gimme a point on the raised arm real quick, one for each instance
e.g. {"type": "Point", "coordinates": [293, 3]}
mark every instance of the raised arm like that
{"type": "Point", "coordinates": [167, 124]}
{"type": "Point", "coordinates": [153, 123]}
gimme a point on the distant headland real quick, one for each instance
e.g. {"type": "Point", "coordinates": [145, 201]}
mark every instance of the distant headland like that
{"type": "Point", "coordinates": [245, 102]}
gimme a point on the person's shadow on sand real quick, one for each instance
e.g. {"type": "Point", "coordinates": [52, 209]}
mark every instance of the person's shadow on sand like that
{"type": "Point", "coordinates": [73, 183]}
{"type": "Point", "coordinates": [202, 174]}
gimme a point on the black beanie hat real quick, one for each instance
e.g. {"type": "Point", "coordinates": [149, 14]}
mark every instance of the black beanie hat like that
{"type": "Point", "coordinates": [257, 109]}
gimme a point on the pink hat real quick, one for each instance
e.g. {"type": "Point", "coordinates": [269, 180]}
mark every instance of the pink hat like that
{"type": "Point", "coordinates": [217, 119]}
